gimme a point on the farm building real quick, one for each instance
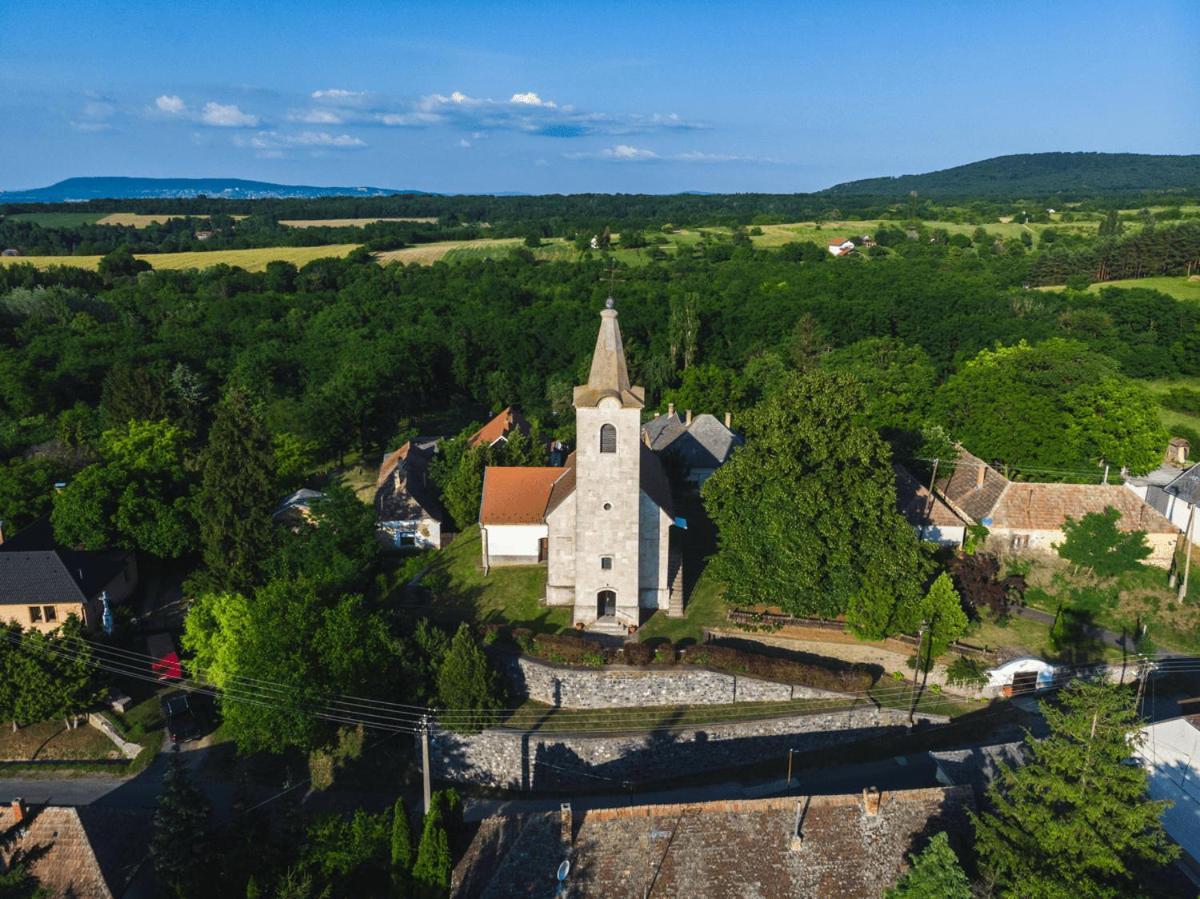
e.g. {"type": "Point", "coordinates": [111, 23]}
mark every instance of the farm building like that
{"type": "Point", "coordinates": [407, 507]}
{"type": "Point", "coordinates": [929, 516]}
{"type": "Point", "coordinates": [41, 582]}
{"type": "Point", "coordinates": [695, 447]}
{"type": "Point", "coordinates": [809, 846]}
{"type": "Point", "coordinates": [1024, 516]}
{"type": "Point", "coordinates": [842, 246]}
{"type": "Point", "coordinates": [497, 430]}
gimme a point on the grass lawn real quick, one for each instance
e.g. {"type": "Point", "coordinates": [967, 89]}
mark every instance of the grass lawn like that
{"type": "Point", "coordinates": [706, 607]}
{"type": "Point", "coordinates": [513, 595]}
{"type": "Point", "coordinates": [352, 223]}
{"type": "Point", "coordinates": [1173, 418]}
{"type": "Point", "coordinates": [251, 260]}
{"type": "Point", "coordinates": [1177, 286]}
{"type": "Point", "coordinates": [52, 740]}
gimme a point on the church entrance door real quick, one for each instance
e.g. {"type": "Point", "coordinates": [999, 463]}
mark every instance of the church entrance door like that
{"type": "Point", "coordinates": [606, 604]}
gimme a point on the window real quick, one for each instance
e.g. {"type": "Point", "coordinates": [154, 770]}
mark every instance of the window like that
{"type": "Point", "coordinates": [606, 563]}
{"type": "Point", "coordinates": [50, 612]}
{"type": "Point", "coordinates": [35, 613]}
{"type": "Point", "coordinates": [608, 439]}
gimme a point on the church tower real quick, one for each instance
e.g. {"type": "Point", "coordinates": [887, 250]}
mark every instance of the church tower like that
{"type": "Point", "coordinates": [608, 421]}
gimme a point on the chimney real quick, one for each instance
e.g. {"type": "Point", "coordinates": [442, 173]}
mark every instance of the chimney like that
{"type": "Point", "coordinates": [18, 811]}
{"type": "Point", "coordinates": [687, 418]}
{"type": "Point", "coordinates": [871, 801]}
{"type": "Point", "coordinates": [670, 408]}
{"type": "Point", "coordinates": [564, 815]}
{"type": "Point", "coordinates": [728, 421]}
{"type": "Point", "coordinates": [979, 475]}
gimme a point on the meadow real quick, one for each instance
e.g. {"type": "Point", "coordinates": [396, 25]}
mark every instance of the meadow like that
{"type": "Point", "coordinates": [251, 260]}
{"type": "Point", "coordinates": [352, 223]}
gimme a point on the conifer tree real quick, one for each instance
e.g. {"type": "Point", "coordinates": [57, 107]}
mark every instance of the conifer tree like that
{"type": "Point", "coordinates": [1075, 820]}
{"type": "Point", "coordinates": [179, 844]}
{"type": "Point", "coordinates": [935, 874]}
{"type": "Point", "coordinates": [402, 847]}
{"type": "Point", "coordinates": [467, 683]}
{"type": "Point", "coordinates": [237, 493]}
{"type": "Point", "coordinates": [434, 864]}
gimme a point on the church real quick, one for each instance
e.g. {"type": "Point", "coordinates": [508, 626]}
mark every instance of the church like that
{"type": "Point", "coordinates": [601, 524]}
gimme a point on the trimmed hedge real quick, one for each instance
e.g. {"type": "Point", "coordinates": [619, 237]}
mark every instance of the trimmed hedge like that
{"type": "Point", "coordinates": [851, 679]}
{"type": "Point", "coordinates": [567, 649]}
{"type": "Point", "coordinates": [638, 654]}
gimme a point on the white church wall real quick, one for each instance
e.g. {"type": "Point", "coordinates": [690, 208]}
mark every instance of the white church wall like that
{"type": "Point", "coordinates": [654, 542]}
{"type": "Point", "coordinates": [513, 544]}
{"type": "Point", "coordinates": [560, 573]}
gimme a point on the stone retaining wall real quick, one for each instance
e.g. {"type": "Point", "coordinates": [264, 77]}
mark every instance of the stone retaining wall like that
{"type": "Point", "coordinates": [626, 686]}
{"type": "Point", "coordinates": [549, 761]}
{"type": "Point", "coordinates": [102, 724]}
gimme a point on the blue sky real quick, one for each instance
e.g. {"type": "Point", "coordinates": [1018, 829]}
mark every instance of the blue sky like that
{"type": "Point", "coordinates": [566, 97]}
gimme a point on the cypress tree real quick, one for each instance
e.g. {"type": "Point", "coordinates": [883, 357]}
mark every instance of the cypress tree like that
{"type": "Point", "coordinates": [467, 683]}
{"type": "Point", "coordinates": [179, 845]}
{"type": "Point", "coordinates": [434, 865]}
{"type": "Point", "coordinates": [935, 874]}
{"type": "Point", "coordinates": [402, 847]}
{"type": "Point", "coordinates": [237, 494]}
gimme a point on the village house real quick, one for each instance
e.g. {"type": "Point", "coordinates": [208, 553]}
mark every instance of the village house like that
{"type": "Point", "coordinates": [42, 583]}
{"type": "Point", "coordinates": [1028, 516]}
{"type": "Point", "coordinates": [694, 447]}
{"type": "Point", "coordinates": [408, 510]}
{"type": "Point", "coordinates": [840, 246]}
{"type": "Point", "coordinates": [497, 430]}
{"type": "Point", "coordinates": [606, 515]}
{"type": "Point", "coordinates": [85, 852]}
{"type": "Point", "coordinates": [297, 509]}
{"type": "Point", "coordinates": [1170, 755]}
{"type": "Point", "coordinates": [812, 847]}
{"type": "Point", "coordinates": [930, 517]}
{"type": "Point", "coordinates": [1174, 493]}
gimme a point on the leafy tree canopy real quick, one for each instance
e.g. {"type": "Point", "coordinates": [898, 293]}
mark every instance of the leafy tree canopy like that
{"type": "Point", "coordinates": [935, 874]}
{"type": "Point", "coordinates": [1095, 542]}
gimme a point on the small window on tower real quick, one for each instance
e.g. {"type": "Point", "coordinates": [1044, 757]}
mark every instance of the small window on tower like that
{"type": "Point", "coordinates": [606, 563]}
{"type": "Point", "coordinates": [608, 439]}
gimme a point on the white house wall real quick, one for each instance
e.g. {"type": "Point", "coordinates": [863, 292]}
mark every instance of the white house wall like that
{"type": "Point", "coordinates": [560, 568]}
{"type": "Point", "coordinates": [654, 543]}
{"type": "Point", "coordinates": [513, 544]}
{"type": "Point", "coordinates": [1162, 546]}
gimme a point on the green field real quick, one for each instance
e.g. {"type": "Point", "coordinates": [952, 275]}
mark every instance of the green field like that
{"type": "Point", "coordinates": [252, 260]}
{"type": "Point", "coordinates": [58, 219]}
{"type": "Point", "coordinates": [1178, 286]}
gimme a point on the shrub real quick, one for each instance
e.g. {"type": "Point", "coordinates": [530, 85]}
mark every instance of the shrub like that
{"type": "Point", "coordinates": [664, 654]}
{"type": "Point", "coordinates": [965, 672]}
{"type": "Point", "coordinates": [568, 649]}
{"type": "Point", "coordinates": [522, 638]}
{"type": "Point", "coordinates": [638, 653]}
{"type": "Point", "coordinates": [848, 679]}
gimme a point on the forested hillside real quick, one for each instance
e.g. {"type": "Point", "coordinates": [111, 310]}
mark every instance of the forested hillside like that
{"type": "Point", "coordinates": [1028, 175]}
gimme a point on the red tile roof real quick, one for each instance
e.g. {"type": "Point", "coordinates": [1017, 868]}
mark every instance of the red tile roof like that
{"type": "Point", "coordinates": [498, 427]}
{"type": "Point", "coordinates": [1044, 507]}
{"type": "Point", "coordinates": [516, 495]}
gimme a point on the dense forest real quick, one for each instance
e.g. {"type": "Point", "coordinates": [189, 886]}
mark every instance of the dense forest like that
{"type": "Point", "coordinates": [347, 356]}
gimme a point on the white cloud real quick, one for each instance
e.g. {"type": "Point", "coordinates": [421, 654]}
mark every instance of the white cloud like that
{"type": "Point", "coordinates": [624, 151]}
{"type": "Point", "coordinates": [222, 115]}
{"type": "Point", "coordinates": [338, 94]}
{"type": "Point", "coordinates": [316, 140]}
{"type": "Point", "coordinates": [170, 104]}
{"type": "Point", "coordinates": [464, 143]}
{"type": "Point", "coordinates": [315, 116]}
{"type": "Point", "coordinates": [531, 99]}
{"type": "Point", "coordinates": [628, 153]}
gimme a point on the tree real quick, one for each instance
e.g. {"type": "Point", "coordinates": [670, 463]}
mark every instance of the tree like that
{"type": "Point", "coordinates": [1055, 405]}
{"type": "Point", "coordinates": [136, 498]}
{"type": "Point", "coordinates": [401, 847]}
{"type": "Point", "coordinates": [1096, 543]}
{"type": "Point", "coordinates": [935, 874]}
{"type": "Point", "coordinates": [805, 511]}
{"type": "Point", "coordinates": [460, 475]}
{"type": "Point", "coordinates": [944, 620]}
{"type": "Point", "coordinates": [120, 263]}
{"type": "Point", "coordinates": [808, 341]}
{"type": "Point", "coordinates": [467, 685]}
{"type": "Point", "coordinates": [1112, 226]}
{"type": "Point", "coordinates": [180, 842]}
{"type": "Point", "coordinates": [898, 380]}
{"type": "Point", "coordinates": [1075, 820]}
{"type": "Point", "coordinates": [434, 864]}
{"type": "Point", "coordinates": [237, 494]}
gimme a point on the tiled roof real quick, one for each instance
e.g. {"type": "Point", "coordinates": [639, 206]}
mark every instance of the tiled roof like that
{"type": "Point", "coordinates": [919, 507]}
{"type": "Point", "coordinates": [662, 430]}
{"type": "Point", "coordinates": [89, 852]}
{"type": "Point", "coordinates": [34, 568]}
{"type": "Point", "coordinates": [516, 494]}
{"type": "Point", "coordinates": [972, 487]}
{"type": "Point", "coordinates": [1044, 507]}
{"type": "Point", "coordinates": [404, 491]}
{"type": "Point", "coordinates": [499, 427]}
{"type": "Point", "coordinates": [744, 848]}
{"type": "Point", "coordinates": [563, 487]}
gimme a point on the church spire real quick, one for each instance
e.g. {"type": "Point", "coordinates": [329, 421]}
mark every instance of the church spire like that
{"type": "Point", "coordinates": [609, 375]}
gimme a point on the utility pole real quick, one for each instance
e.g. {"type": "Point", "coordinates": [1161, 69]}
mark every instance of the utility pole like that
{"type": "Point", "coordinates": [1187, 552]}
{"type": "Point", "coordinates": [789, 781]}
{"type": "Point", "coordinates": [912, 704]}
{"type": "Point", "coordinates": [1143, 676]}
{"type": "Point", "coordinates": [425, 725]}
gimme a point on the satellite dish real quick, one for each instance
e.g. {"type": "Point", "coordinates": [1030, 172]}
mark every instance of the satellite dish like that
{"type": "Point", "coordinates": [563, 870]}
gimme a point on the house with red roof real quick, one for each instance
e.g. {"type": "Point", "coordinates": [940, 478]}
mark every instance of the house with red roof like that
{"type": "Point", "coordinates": [497, 430]}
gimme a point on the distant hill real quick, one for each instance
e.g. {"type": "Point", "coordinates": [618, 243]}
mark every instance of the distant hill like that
{"type": "Point", "coordinates": [1040, 175]}
{"type": "Point", "coordinates": [78, 189]}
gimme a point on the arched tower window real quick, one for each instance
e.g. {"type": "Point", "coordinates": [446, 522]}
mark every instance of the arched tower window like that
{"type": "Point", "coordinates": [608, 439]}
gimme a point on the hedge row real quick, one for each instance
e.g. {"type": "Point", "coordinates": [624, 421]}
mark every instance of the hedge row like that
{"type": "Point", "coordinates": [849, 679]}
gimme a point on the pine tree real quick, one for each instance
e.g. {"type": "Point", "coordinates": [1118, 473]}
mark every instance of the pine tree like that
{"type": "Point", "coordinates": [180, 842]}
{"type": "Point", "coordinates": [1075, 820]}
{"type": "Point", "coordinates": [434, 865]}
{"type": "Point", "coordinates": [402, 847]}
{"type": "Point", "coordinates": [237, 493]}
{"type": "Point", "coordinates": [935, 874]}
{"type": "Point", "coordinates": [467, 683]}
